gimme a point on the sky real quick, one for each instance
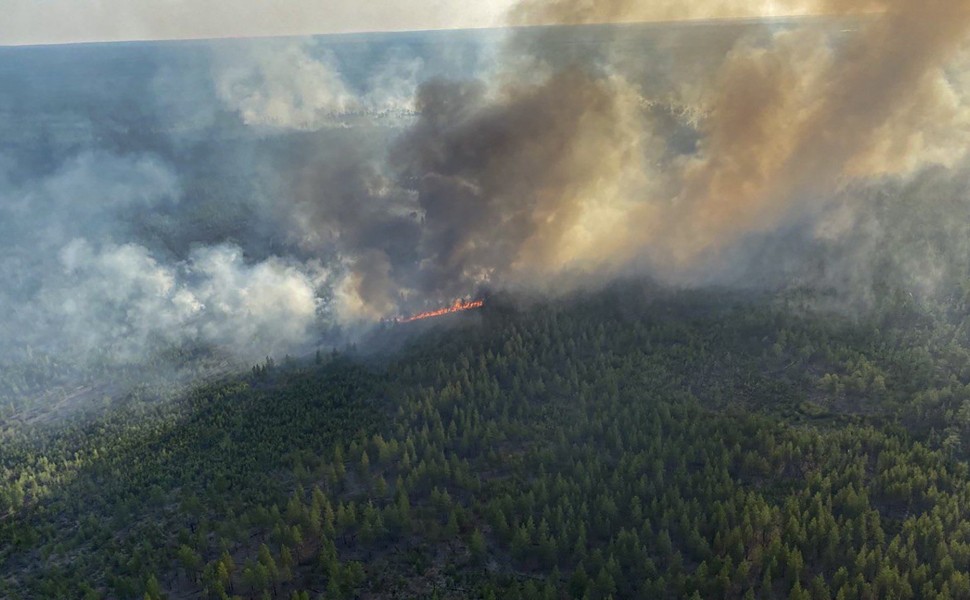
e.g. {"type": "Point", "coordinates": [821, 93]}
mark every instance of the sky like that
{"type": "Point", "coordinates": [27, 22]}
{"type": "Point", "coordinates": [68, 21]}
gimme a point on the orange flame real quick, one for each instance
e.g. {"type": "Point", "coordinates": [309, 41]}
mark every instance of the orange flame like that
{"type": "Point", "coordinates": [458, 306]}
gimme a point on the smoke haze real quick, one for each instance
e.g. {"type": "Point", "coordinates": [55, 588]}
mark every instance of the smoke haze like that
{"type": "Point", "coordinates": [266, 196]}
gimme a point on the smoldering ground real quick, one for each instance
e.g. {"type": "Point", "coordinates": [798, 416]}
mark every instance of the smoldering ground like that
{"type": "Point", "coordinates": [270, 193]}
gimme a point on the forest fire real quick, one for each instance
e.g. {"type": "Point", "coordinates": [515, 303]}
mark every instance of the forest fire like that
{"type": "Point", "coordinates": [458, 306]}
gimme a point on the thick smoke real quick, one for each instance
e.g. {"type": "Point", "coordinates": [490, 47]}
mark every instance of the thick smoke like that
{"type": "Point", "coordinates": [214, 298]}
{"type": "Point", "coordinates": [563, 164]}
{"type": "Point", "coordinates": [151, 213]}
{"type": "Point", "coordinates": [530, 181]}
{"type": "Point", "coordinates": [797, 121]}
{"type": "Point", "coordinates": [259, 196]}
{"type": "Point", "coordinates": [99, 296]}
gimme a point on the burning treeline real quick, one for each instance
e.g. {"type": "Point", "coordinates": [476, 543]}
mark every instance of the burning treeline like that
{"type": "Point", "coordinates": [458, 306]}
{"type": "Point", "coordinates": [562, 167]}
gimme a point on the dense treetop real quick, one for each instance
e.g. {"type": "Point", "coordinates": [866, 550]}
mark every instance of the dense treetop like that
{"type": "Point", "coordinates": [621, 444]}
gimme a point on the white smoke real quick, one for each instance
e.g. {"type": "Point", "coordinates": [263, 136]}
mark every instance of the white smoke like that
{"type": "Point", "coordinates": [75, 282]}
{"type": "Point", "coordinates": [294, 85]}
{"type": "Point", "coordinates": [121, 301]}
{"type": "Point", "coordinates": [284, 87]}
{"type": "Point", "coordinates": [269, 306]}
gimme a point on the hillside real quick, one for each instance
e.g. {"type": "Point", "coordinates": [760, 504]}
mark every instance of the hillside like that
{"type": "Point", "coordinates": [628, 443]}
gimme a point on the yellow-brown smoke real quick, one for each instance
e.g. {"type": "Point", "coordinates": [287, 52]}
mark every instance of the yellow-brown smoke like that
{"type": "Point", "coordinates": [785, 124]}
{"type": "Point", "coordinates": [793, 123]}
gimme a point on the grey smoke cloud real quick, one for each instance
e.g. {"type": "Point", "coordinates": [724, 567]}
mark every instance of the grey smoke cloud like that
{"type": "Point", "coordinates": [165, 212]}
{"type": "Point", "coordinates": [75, 285]}
{"type": "Point", "coordinates": [120, 300]}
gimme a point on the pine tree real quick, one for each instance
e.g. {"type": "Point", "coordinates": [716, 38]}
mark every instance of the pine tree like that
{"type": "Point", "coordinates": [476, 546]}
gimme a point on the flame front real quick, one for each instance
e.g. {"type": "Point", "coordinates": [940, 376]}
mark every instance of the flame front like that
{"type": "Point", "coordinates": [458, 306]}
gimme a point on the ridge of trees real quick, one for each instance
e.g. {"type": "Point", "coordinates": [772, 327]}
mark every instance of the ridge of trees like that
{"type": "Point", "coordinates": [624, 444]}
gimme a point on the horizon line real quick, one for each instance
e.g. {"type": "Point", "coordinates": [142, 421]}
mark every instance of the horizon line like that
{"type": "Point", "coordinates": [712, 20]}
